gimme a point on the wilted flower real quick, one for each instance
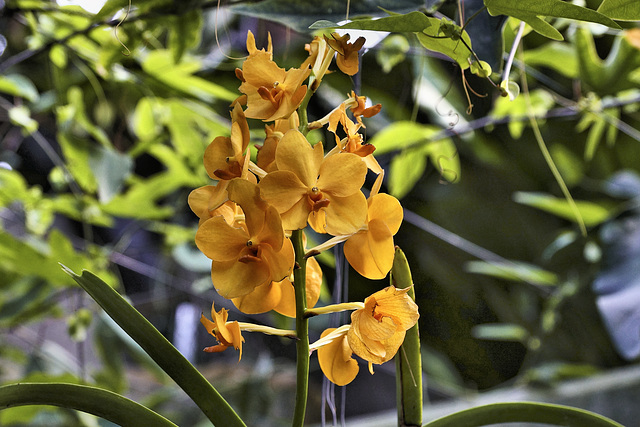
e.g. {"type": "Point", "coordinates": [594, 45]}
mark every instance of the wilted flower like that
{"type": "Point", "coordinates": [227, 333]}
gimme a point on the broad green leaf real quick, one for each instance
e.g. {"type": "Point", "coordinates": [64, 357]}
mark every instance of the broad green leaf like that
{"type": "Point", "coordinates": [449, 39]}
{"type": "Point", "coordinates": [400, 135]}
{"type": "Point", "coordinates": [444, 156]}
{"type": "Point", "coordinates": [529, 11]}
{"type": "Point", "coordinates": [560, 57]}
{"type": "Point", "coordinates": [622, 10]}
{"type": "Point", "coordinates": [405, 170]}
{"type": "Point", "coordinates": [160, 64]}
{"type": "Point", "coordinates": [19, 85]}
{"type": "Point", "coordinates": [613, 74]}
{"type": "Point", "coordinates": [300, 14]}
{"type": "Point", "coordinates": [501, 332]}
{"type": "Point", "coordinates": [146, 121]}
{"type": "Point", "coordinates": [513, 270]}
{"type": "Point", "coordinates": [592, 213]}
{"type": "Point", "coordinates": [76, 152]}
{"type": "Point", "coordinates": [412, 22]}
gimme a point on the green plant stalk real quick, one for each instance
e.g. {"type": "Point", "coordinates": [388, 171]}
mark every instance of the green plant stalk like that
{"type": "Point", "coordinates": [528, 412]}
{"type": "Point", "coordinates": [102, 403]}
{"type": "Point", "coordinates": [203, 394]}
{"type": "Point", "coordinates": [302, 330]}
{"type": "Point", "coordinates": [408, 358]}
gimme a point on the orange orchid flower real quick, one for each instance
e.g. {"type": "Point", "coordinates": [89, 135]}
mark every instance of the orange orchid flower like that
{"type": "Point", "coordinates": [224, 157]}
{"type": "Point", "coordinates": [271, 93]}
{"type": "Point", "coordinates": [226, 333]}
{"type": "Point", "coordinates": [248, 253]}
{"type": "Point", "coordinates": [378, 329]}
{"type": "Point", "coordinates": [307, 187]}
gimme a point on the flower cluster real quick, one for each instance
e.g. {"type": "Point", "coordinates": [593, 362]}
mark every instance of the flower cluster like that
{"type": "Point", "coordinates": [248, 216]}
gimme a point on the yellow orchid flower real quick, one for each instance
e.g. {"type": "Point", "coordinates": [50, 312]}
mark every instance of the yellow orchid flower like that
{"type": "Point", "coordinates": [347, 59]}
{"type": "Point", "coordinates": [224, 158]}
{"type": "Point", "coordinates": [307, 187]}
{"type": "Point", "coordinates": [271, 93]}
{"type": "Point", "coordinates": [371, 250]}
{"type": "Point", "coordinates": [280, 296]}
{"type": "Point", "coordinates": [227, 333]}
{"type": "Point", "coordinates": [378, 329]}
{"type": "Point", "coordinates": [248, 253]}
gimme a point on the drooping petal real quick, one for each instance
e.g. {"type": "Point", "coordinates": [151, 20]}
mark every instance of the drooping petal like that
{"type": "Point", "coordinates": [371, 252]}
{"type": "Point", "coordinates": [220, 241]}
{"type": "Point", "coordinates": [296, 155]}
{"type": "Point", "coordinates": [336, 361]}
{"type": "Point", "coordinates": [287, 305]}
{"type": "Point", "coordinates": [345, 215]}
{"type": "Point", "coordinates": [342, 174]}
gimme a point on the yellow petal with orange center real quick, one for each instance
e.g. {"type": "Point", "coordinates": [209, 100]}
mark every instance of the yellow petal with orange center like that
{"type": "Point", "coordinates": [336, 361]}
{"type": "Point", "coordinates": [396, 304]}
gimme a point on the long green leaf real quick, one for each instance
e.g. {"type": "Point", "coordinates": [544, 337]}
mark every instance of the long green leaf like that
{"type": "Point", "coordinates": [623, 10]}
{"type": "Point", "coordinates": [103, 403]}
{"type": "Point", "coordinates": [413, 22]}
{"type": "Point", "coordinates": [529, 412]}
{"type": "Point", "coordinates": [160, 349]}
{"type": "Point", "coordinates": [408, 358]}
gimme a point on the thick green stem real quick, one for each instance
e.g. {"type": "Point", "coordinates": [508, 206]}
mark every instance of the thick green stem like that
{"type": "Point", "coordinates": [92, 400]}
{"type": "Point", "coordinates": [302, 330]}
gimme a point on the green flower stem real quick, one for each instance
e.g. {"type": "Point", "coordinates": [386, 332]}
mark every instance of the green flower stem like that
{"type": "Point", "coordinates": [302, 330]}
{"type": "Point", "coordinates": [302, 112]}
{"type": "Point", "coordinates": [333, 308]}
{"type": "Point", "coordinates": [408, 358]}
{"type": "Point", "coordinates": [528, 412]}
{"type": "Point", "coordinates": [203, 394]}
{"type": "Point", "coordinates": [103, 403]}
